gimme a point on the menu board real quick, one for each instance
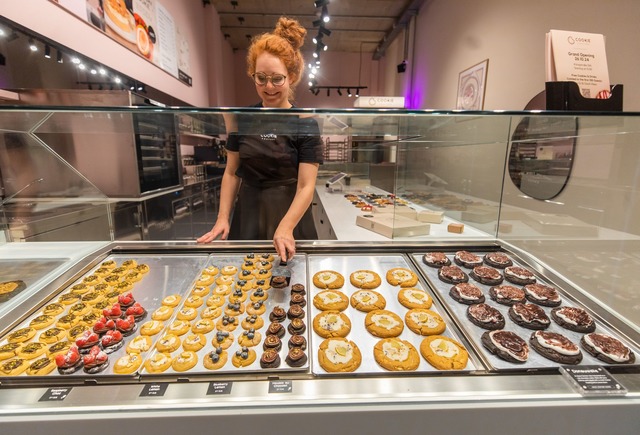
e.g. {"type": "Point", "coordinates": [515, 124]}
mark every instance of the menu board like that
{"type": "Point", "coordinates": [145, 27]}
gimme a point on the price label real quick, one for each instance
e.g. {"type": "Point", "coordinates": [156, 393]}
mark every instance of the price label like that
{"type": "Point", "coordinates": [280, 387]}
{"type": "Point", "coordinates": [593, 381]}
{"type": "Point", "coordinates": [216, 388]}
{"type": "Point", "coordinates": [55, 394]}
{"type": "Point", "coordinates": [154, 390]}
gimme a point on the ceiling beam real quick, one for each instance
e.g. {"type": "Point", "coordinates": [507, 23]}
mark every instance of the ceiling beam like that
{"type": "Point", "coordinates": [403, 22]}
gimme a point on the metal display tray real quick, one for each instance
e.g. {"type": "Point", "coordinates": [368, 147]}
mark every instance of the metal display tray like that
{"type": "Point", "coordinates": [380, 263]}
{"type": "Point", "coordinates": [276, 297]}
{"type": "Point", "coordinates": [168, 274]}
{"type": "Point", "coordinates": [535, 361]}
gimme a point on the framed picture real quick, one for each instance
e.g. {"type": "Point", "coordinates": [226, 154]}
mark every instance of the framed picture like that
{"type": "Point", "coordinates": [471, 85]}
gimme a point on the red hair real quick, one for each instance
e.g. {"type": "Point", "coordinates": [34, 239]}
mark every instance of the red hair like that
{"type": "Point", "coordinates": [284, 42]}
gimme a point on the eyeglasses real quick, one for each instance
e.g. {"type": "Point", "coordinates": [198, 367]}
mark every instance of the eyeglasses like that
{"type": "Point", "coordinates": [262, 79]}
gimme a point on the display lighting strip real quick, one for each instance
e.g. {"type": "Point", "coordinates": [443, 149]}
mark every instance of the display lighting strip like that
{"type": "Point", "coordinates": [320, 23]}
{"type": "Point", "coordinates": [350, 90]}
{"type": "Point", "coordinates": [111, 80]}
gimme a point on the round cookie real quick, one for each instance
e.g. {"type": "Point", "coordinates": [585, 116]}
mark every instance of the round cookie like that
{"type": "Point", "coordinates": [21, 335]}
{"type": "Point", "coordinates": [424, 322]}
{"type": "Point", "coordinates": [243, 357]}
{"type": "Point", "coordinates": [414, 298]}
{"type": "Point", "coordinates": [333, 300]}
{"type": "Point", "coordinates": [171, 300]}
{"type": "Point", "coordinates": [41, 367]}
{"type": "Point", "coordinates": [152, 327]}
{"type": "Point", "coordinates": [436, 259]}
{"type": "Point", "coordinates": [184, 361]}
{"type": "Point", "coordinates": [229, 270]}
{"type": "Point", "coordinates": [507, 294]}
{"type": "Point", "coordinates": [383, 323]}
{"type": "Point", "coordinates": [506, 345]}
{"type": "Point", "coordinates": [394, 354]}
{"type": "Point", "coordinates": [157, 363]}
{"type": "Point", "coordinates": [52, 335]}
{"type": "Point", "coordinates": [519, 275]}
{"type": "Point", "coordinates": [215, 359]}
{"type": "Point", "coordinates": [444, 353]}
{"type": "Point", "coordinates": [8, 350]}
{"type": "Point", "coordinates": [205, 280]}
{"type": "Point", "coordinates": [467, 293]}
{"type": "Point", "coordinates": [573, 319]}
{"type": "Point", "coordinates": [365, 279]}
{"type": "Point", "coordinates": [270, 359]}
{"type": "Point", "coordinates": [127, 364]}
{"type": "Point", "coordinates": [467, 259]}
{"type": "Point", "coordinates": [168, 343]}
{"type": "Point", "coordinates": [607, 348]}
{"type": "Point", "coordinates": [179, 327]}
{"type": "Point", "coordinates": [211, 270]}
{"type": "Point", "coordinates": [367, 300]}
{"type": "Point", "coordinates": [139, 344]}
{"type": "Point", "coordinates": [485, 316]}
{"type": "Point", "coordinates": [187, 313]}
{"type": "Point", "coordinates": [497, 259]}
{"type": "Point", "coordinates": [211, 313]}
{"type": "Point", "coordinates": [486, 275]}
{"type": "Point", "coordinates": [452, 275]}
{"type": "Point", "coordinates": [249, 338]}
{"type": "Point", "coordinates": [328, 279]}
{"type": "Point", "coordinates": [222, 339]}
{"type": "Point", "coordinates": [201, 291]}
{"type": "Point", "coordinates": [193, 301]}
{"type": "Point", "coordinates": [542, 295]}
{"type": "Point", "coordinates": [331, 324]}
{"type": "Point", "coordinates": [194, 342]}
{"type": "Point", "coordinates": [555, 347]}
{"type": "Point", "coordinates": [339, 355]}
{"type": "Point", "coordinates": [402, 276]}
{"type": "Point", "coordinates": [31, 350]}
{"type": "Point", "coordinates": [162, 313]}
{"type": "Point", "coordinates": [529, 316]}
{"type": "Point", "coordinates": [42, 321]}
{"type": "Point", "coordinates": [13, 367]}
{"type": "Point", "coordinates": [203, 326]}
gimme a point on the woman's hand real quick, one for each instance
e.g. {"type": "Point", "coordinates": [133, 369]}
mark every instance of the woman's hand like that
{"type": "Point", "coordinates": [284, 243]}
{"type": "Point", "coordinates": [220, 229]}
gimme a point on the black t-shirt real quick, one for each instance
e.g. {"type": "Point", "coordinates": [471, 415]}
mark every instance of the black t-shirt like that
{"type": "Point", "coordinates": [271, 147]}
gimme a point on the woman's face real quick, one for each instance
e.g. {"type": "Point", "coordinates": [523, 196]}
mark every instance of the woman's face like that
{"type": "Point", "coordinates": [272, 96]}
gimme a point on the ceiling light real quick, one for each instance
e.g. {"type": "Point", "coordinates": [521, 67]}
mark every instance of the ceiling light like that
{"type": "Point", "coordinates": [357, 92]}
{"type": "Point", "coordinates": [75, 60]}
{"type": "Point", "coordinates": [32, 45]}
{"type": "Point", "coordinates": [349, 92]}
{"type": "Point", "coordinates": [316, 92]}
{"type": "Point", "coordinates": [102, 71]}
{"type": "Point", "coordinates": [325, 14]}
{"type": "Point", "coordinates": [93, 71]}
{"type": "Point", "coordinates": [320, 3]}
{"type": "Point", "coordinates": [339, 92]}
{"type": "Point", "coordinates": [317, 23]}
{"type": "Point", "coordinates": [324, 31]}
{"type": "Point", "coordinates": [59, 58]}
{"type": "Point", "coordinates": [81, 66]}
{"type": "Point", "coordinates": [118, 80]}
{"type": "Point", "coordinates": [47, 51]}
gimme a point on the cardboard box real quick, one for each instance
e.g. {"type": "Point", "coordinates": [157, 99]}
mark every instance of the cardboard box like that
{"type": "Point", "coordinates": [480, 214]}
{"type": "Point", "coordinates": [559, 225]}
{"type": "Point", "coordinates": [455, 228]}
{"type": "Point", "coordinates": [433, 217]}
{"type": "Point", "coordinates": [403, 211]}
{"type": "Point", "coordinates": [392, 226]}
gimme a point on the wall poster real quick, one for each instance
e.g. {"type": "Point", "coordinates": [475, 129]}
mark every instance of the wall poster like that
{"type": "Point", "coordinates": [143, 26]}
{"type": "Point", "coordinates": [471, 86]}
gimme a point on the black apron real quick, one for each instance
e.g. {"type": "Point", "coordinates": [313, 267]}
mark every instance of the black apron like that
{"type": "Point", "coordinates": [270, 149]}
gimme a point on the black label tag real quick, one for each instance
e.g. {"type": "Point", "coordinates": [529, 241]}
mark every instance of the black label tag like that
{"type": "Point", "coordinates": [154, 390]}
{"type": "Point", "coordinates": [219, 388]}
{"type": "Point", "coordinates": [593, 381]}
{"type": "Point", "coordinates": [55, 394]}
{"type": "Point", "coordinates": [280, 386]}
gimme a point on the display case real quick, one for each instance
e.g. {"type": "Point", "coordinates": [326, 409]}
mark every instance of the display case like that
{"type": "Point", "coordinates": [569, 222]}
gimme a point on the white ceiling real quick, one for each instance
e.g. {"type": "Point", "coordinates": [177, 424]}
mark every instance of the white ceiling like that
{"type": "Point", "coordinates": [356, 25]}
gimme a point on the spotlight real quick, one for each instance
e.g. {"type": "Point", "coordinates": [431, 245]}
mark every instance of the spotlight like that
{"type": "Point", "coordinates": [81, 66]}
{"type": "Point", "coordinates": [75, 60]}
{"type": "Point", "coordinates": [320, 46]}
{"type": "Point", "coordinates": [32, 45]}
{"type": "Point", "coordinates": [59, 57]}
{"type": "Point", "coordinates": [339, 92]}
{"type": "Point", "coordinates": [320, 3]}
{"type": "Point", "coordinates": [47, 51]}
{"type": "Point", "coordinates": [402, 67]}
{"type": "Point", "coordinates": [102, 71]}
{"type": "Point", "coordinates": [325, 14]}
{"type": "Point", "coordinates": [349, 92]}
{"type": "Point", "coordinates": [317, 38]}
{"type": "Point", "coordinates": [317, 23]}
{"type": "Point", "coordinates": [357, 92]}
{"type": "Point", "coordinates": [118, 80]}
{"type": "Point", "coordinates": [324, 31]}
{"type": "Point", "coordinates": [316, 92]}
{"type": "Point", "coordinates": [93, 71]}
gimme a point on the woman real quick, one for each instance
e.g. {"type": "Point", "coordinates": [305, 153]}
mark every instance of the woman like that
{"type": "Point", "coordinates": [272, 159]}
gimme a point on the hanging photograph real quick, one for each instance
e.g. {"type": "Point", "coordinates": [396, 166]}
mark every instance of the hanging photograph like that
{"type": "Point", "coordinates": [471, 86]}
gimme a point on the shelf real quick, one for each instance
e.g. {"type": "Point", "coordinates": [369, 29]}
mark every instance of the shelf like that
{"type": "Point", "coordinates": [197, 135]}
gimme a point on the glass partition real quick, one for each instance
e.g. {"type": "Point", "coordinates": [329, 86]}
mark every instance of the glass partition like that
{"type": "Point", "coordinates": [388, 176]}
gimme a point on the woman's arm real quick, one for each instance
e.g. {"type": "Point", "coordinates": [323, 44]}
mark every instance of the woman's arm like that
{"type": "Point", "coordinates": [228, 193]}
{"type": "Point", "coordinates": [283, 239]}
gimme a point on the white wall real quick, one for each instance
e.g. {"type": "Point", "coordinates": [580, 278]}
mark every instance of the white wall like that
{"type": "Point", "coordinates": [452, 35]}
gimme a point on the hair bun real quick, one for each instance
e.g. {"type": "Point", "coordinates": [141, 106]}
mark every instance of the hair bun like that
{"type": "Point", "coordinates": [291, 30]}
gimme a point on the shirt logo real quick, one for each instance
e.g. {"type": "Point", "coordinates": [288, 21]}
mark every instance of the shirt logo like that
{"type": "Point", "coordinates": [269, 137]}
